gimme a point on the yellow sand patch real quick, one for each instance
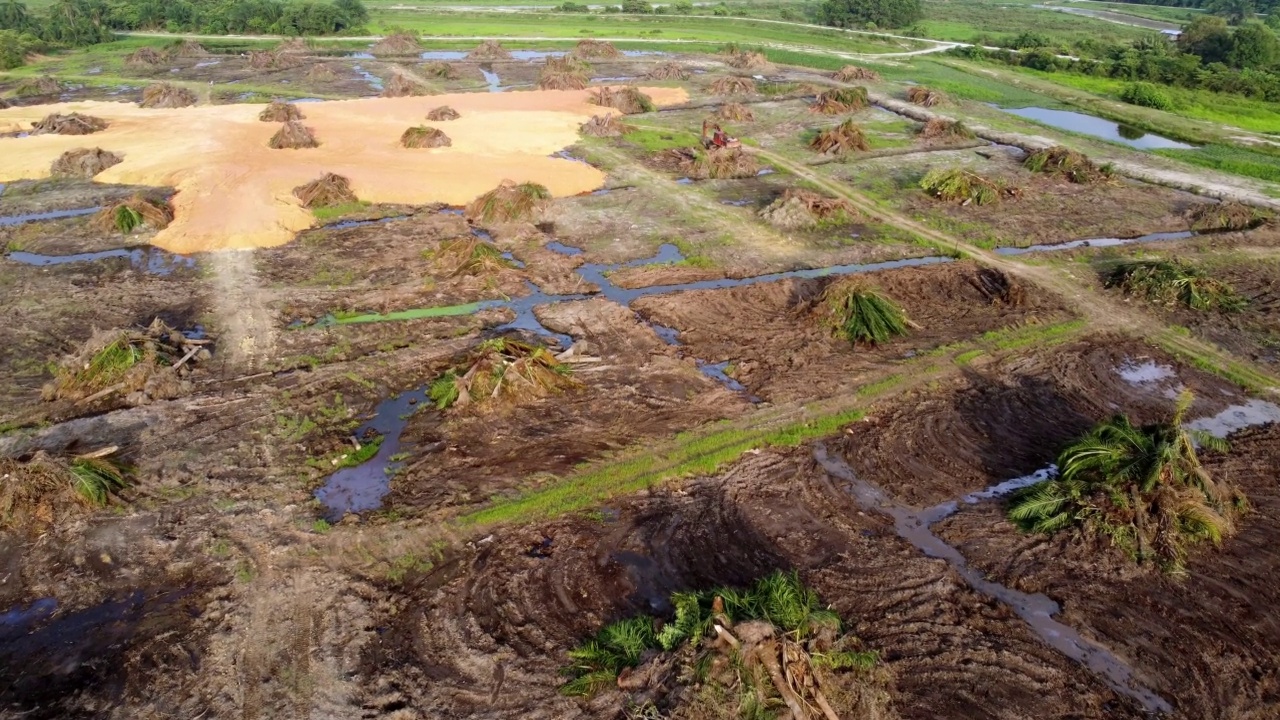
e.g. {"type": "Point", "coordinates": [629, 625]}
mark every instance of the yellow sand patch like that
{"type": "Point", "coordinates": [235, 192]}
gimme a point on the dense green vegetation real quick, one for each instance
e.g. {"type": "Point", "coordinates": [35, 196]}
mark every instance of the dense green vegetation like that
{"type": "Point", "coordinates": [1231, 159]}
{"type": "Point", "coordinates": [869, 13]}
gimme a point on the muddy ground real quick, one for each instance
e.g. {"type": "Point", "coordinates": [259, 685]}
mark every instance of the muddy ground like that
{"type": "Point", "coordinates": [214, 589]}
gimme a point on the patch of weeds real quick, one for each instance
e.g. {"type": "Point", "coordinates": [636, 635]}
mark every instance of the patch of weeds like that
{"type": "Point", "coordinates": [333, 212]}
{"type": "Point", "coordinates": [365, 383]}
{"type": "Point", "coordinates": [294, 427]}
{"type": "Point", "coordinates": [321, 526]}
{"type": "Point", "coordinates": [352, 458]}
{"type": "Point", "coordinates": [405, 564]}
{"type": "Point", "coordinates": [967, 357]}
{"type": "Point", "coordinates": [658, 140]}
{"type": "Point", "coordinates": [245, 572]}
{"type": "Point", "coordinates": [220, 549]}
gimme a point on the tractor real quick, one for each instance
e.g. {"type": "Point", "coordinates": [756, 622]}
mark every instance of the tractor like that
{"type": "Point", "coordinates": [714, 137]}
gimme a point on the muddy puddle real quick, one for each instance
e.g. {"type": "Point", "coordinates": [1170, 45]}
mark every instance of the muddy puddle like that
{"type": "Point", "coordinates": [1097, 243]}
{"type": "Point", "coordinates": [10, 220]}
{"type": "Point", "coordinates": [153, 261]}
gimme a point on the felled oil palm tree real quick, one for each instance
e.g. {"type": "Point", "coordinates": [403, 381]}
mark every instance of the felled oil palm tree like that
{"type": "Point", "coordinates": [1143, 487]}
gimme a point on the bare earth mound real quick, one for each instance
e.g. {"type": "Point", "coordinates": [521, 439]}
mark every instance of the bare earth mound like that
{"type": "Point", "coordinates": [424, 137]}
{"type": "Point", "coordinates": [73, 124]}
{"type": "Point", "coordinates": [164, 95]}
{"type": "Point", "coordinates": [326, 191]}
{"type": "Point", "coordinates": [279, 111]}
{"type": "Point", "coordinates": [444, 112]}
{"type": "Point", "coordinates": [84, 163]}
{"type": "Point", "coordinates": [293, 136]}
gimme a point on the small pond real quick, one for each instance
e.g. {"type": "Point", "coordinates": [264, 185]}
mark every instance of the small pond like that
{"type": "Point", "coordinates": [1097, 127]}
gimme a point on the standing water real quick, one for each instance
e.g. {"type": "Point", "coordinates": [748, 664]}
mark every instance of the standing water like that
{"type": "Point", "coordinates": [1098, 127]}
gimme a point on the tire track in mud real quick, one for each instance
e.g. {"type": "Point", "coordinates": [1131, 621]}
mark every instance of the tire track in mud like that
{"type": "Point", "coordinates": [249, 332]}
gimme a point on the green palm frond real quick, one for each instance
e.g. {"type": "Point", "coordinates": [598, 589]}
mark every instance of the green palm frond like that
{"type": "Point", "coordinates": [846, 660]}
{"type": "Point", "coordinates": [589, 684]}
{"type": "Point", "coordinates": [630, 638]}
{"type": "Point", "coordinates": [97, 479]}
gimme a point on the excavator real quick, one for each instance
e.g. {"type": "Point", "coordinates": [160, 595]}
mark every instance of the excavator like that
{"type": "Point", "coordinates": [714, 137]}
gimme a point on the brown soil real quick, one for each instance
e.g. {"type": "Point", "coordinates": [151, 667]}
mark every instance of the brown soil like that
{"type": "Point", "coordinates": [781, 352]}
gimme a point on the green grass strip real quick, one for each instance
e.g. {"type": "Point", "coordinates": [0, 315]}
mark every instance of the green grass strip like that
{"type": "Point", "coordinates": [415, 313]}
{"type": "Point", "coordinates": [1225, 368]}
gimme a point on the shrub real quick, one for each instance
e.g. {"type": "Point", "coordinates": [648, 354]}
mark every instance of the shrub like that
{"type": "Point", "coordinates": [1171, 282]}
{"type": "Point", "coordinates": [1146, 95]}
{"type": "Point", "coordinates": [960, 185]}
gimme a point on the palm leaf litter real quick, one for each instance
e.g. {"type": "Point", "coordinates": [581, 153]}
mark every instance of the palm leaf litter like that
{"type": "Point", "coordinates": [733, 85]}
{"type": "Point", "coordinates": [501, 369]}
{"type": "Point", "coordinates": [839, 101]}
{"type": "Point", "coordinates": [43, 85]}
{"type": "Point", "coordinates": [803, 209]}
{"type": "Point", "coordinates": [402, 86]}
{"type": "Point", "coordinates": [443, 113]}
{"type": "Point", "coordinates": [136, 212]}
{"type": "Point", "coordinates": [400, 43]}
{"type": "Point", "coordinates": [1140, 488]}
{"type": "Point", "coordinates": [735, 112]}
{"type": "Point", "coordinates": [280, 111]}
{"type": "Point", "coordinates": [925, 97]}
{"type": "Point", "coordinates": [37, 491]}
{"type": "Point", "coordinates": [860, 313]}
{"type": "Point", "coordinates": [469, 256]}
{"type": "Point", "coordinates": [293, 135]}
{"type": "Point", "coordinates": [489, 50]}
{"type": "Point", "coordinates": [946, 130]}
{"type": "Point", "coordinates": [844, 138]}
{"type": "Point", "coordinates": [510, 202]}
{"type": "Point", "coordinates": [852, 73]}
{"type": "Point", "coordinates": [709, 164]}
{"type": "Point", "coordinates": [424, 136]}
{"type": "Point", "coordinates": [1074, 166]}
{"type": "Point", "coordinates": [328, 190]}
{"type": "Point", "coordinates": [1172, 282]}
{"type": "Point", "coordinates": [767, 648]}
{"type": "Point", "coordinates": [136, 365]}
{"type": "Point", "coordinates": [960, 185]}
{"type": "Point", "coordinates": [165, 95]}
{"type": "Point", "coordinates": [605, 126]}
{"type": "Point", "coordinates": [627, 99]}
{"type": "Point", "coordinates": [83, 163]}
{"type": "Point", "coordinates": [590, 48]}
{"type": "Point", "coordinates": [669, 70]}
{"type": "Point", "coordinates": [1227, 215]}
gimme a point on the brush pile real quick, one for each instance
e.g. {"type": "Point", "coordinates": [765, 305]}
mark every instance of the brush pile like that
{"type": "Point", "coordinates": [592, 49]}
{"type": "Point", "coordinates": [443, 113]}
{"type": "Point", "coordinates": [83, 163]}
{"type": "Point", "coordinates": [960, 185]}
{"type": "Point", "coordinates": [440, 69]}
{"type": "Point", "coordinates": [769, 651]}
{"type": "Point", "coordinates": [733, 85]}
{"type": "Point", "coordinates": [628, 100]}
{"type": "Point", "coordinates": [328, 190]}
{"type": "Point", "coordinates": [841, 139]}
{"type": "Point", "coordinates": [669, 70]}
{"type": "Point", "coordinates": [73, 124]}
{"type": "Point", "coordinates": [164, 95]}
{"type": "Point", "coordinates": [944, 130]}
{"type": "Point", "coordinates": [501, 369]}
{"type": "Point", "coordinates": [280, 111]}
{"type": "Point", "coordinates": [799, 209]}
{"type": "Point", "coordinates": [712, 164]}
{"type": "Point", "coordinates": [747, 60]}
{"type": "Point", "coordinates": [857, 312]}
{"type": "Point", "coordinates": [1226, 215]}
{"type": "Point", "coordinates": [147, 56]}
{"type": "Point", "coordinates": [551, 79]}
{"type": "Point", "coordinates": [510, 202]}
{"type": "Point", "coordinates": [489, 50]}
{"type": "Point", "coordinates": [1074, 166]}
{"type": "Point", "coordinates": [293, 135]}
{"type": "Point", "coordinates": [322, 73]}
{"type": "Point", "coordinates": [924, 96]}
{"type": "Point", "coordinates": [469, 256]}
{"type": "Point", "coordinates": [1171, 282]}
{"type": "Point", "coordinates": [735, 112]}
{"type": "Point", "coordinates": [135, 213]}
{"type": "Point", "coordinates": [140, 365]}
{"type": "Point", "coordinates": [273, 59]}
{"type": "Point", "coordinates": [293, 46]}
{"type": "Point", "coordinates": [839, 101]}
{"type": "Point", "coordinates": [605, 126]}
{"type": "Point", "coordinates": [998, 287]}
{"type": "Point", "coordinates": [401, 43]}
{"type": "Point", "coordinates": [424, 136]}
{"type": "Point", "coordinates": [853, 73]}
{"type": "Point", "coordinates": [43, 85]}
{"type": "Point", "coordinates": [401, 86]}
{"type": "Point", "coordinates": [186, 49]}
{"type": "Point", "coordinates": [34, 493]}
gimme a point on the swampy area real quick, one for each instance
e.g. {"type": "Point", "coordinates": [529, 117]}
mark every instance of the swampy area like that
{"type": "Point", "coordinates": [398, 456]}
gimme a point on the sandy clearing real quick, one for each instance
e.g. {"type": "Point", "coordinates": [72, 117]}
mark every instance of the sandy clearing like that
{"type": "Point", "coordinates": [235, 192]}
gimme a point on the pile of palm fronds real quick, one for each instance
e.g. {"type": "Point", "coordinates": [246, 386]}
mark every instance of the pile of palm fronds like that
{"type": "Point", "coordinates": [512, 370]}
{"type": "Point", "coordinates": [469, 256]}
{"type": "Point", "coordinates": [733, 85]}
{"type": "Point", "coordinates": [843, 138]}
{"type": "Point", "coordinates": [293, 135]}
{"type": "Point", "coordinates": [294, 46]}
{"type": "Point", "coordinates": [710, 164]}
{"type": "Point", "coordinates": [443, 113]}
{"type": "Point", "coordinates": [627, 99]}
{"type": "Point", "coordinates": [33, 493]}
{"type": "Point", "coordinates": [857, 312]}
{"type": "Point", "coordinates": [134, 213]}
{"type": "Point", "coordinates": [1074, 166]}
{"type": "Point", "coordinates": [590, 48]}
{"type": "Point", "coordinates": [850, 73]}
{"type": "Point", "coordinates": [747, 60]}
{"type": "Point", "coordinates": [72, 124]}
{"type": "Point", "coordinates": [840, 100]}
{"type": "Point", "coordinates": [550, 79]}
{"type": "Point", "coordinates": [489, 50]}
{"type": "Point", "coordinates": [186, 49]}
{"type": "Point", "coordinates": [1142, 489]}
{"type": "Point", "coordinates": [997, 287]}
{"type": "Point", "coordinates": [967, 188]}
{"type": "Point", "coordinates": [510, 201]}
{"type": "Point", "coordinates": [773, 646]}
{"type": "Point", "coordinates": [1171, 282]}
{"type": "Point", "coordinates": [798, 208]}
{"type": "Point", "coordinates": [604, 126]}
{"type": "Point", "coordinates": [43, 85]}
{"type": "Point", "coordinates": [151, 363]}
{"type": "Point", "coordinates": [943, 129]}
{"type": "Point", "coordinates": [400, 43]}
{"type": "Point", "coordinates": [1226, 215]}
{"type": "Point", "coordinates": [326, 191]}
{"type": "Point", "coordinates": [440, 69]}
{"type": "Point", "coordinates": [669, 70]}
{"type": "Point", "coordinates": [143, 56]}
{"type": "Point", "coordinates": [424, 136]}
{"type": "Point", "coordinates": [401, 86]}
{"type": "Point", "coordinates": [321, 72]}
{"type": "Point", "coordinates": [268, 59]}
{"type": "Point", "coordinates": [280, 111]}
{"type": "Point", "coordinates": [83, 163]}
{"type": "Point", "coordinates": [924, 96]}
{"type": "Point", "coordinates": [735, 112]}
{"type": "Point", "coordinates": [164, 95]}
{"type": "Point", "coordinates": [566, 63]}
